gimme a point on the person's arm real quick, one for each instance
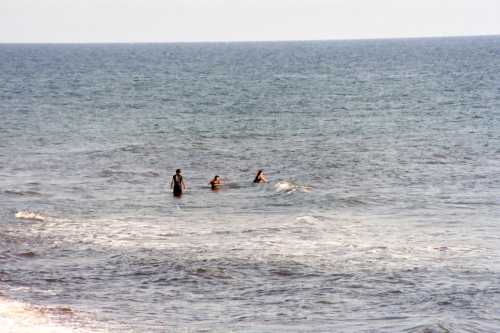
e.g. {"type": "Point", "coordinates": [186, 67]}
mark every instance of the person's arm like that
{"type": "Point", "coordinates": [263, 179]}
{"type": "Point", "coordinates": [172, 183]}
{"type": "Point", "coordinates": [183, 184]}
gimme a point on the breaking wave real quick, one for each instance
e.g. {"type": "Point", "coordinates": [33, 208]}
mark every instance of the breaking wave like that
{"type": "Point", "coordinates": [18, 317]}
{"type": "Point", "coordinates": [285, 186]}
{"type": "Point", "coordinates": [28, 215]}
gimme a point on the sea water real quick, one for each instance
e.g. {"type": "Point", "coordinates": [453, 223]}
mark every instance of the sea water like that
{"type": "Point", "coordinates": [381, 213]}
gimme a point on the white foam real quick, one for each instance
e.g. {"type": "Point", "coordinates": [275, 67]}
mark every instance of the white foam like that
{"type": "Point", "coordinates": [28, 215]}
{"type": "Point", "coordinates": [307, 219]}
{"type": "Point", "coordinates": [17, 317]}
{"type": "Point", "coordinates": [285, 186]}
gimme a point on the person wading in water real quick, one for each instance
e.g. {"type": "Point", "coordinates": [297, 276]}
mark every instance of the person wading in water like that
{"type": "Point", "coordinates": [259, 177]}
{"type": "Point", "coordinates": [216, 183]}
{"type": "Point", "coordinates": [177, 183]}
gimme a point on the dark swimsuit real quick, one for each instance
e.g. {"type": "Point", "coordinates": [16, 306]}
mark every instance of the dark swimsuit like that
{"type": "Point", "coordinates": [177, 185]}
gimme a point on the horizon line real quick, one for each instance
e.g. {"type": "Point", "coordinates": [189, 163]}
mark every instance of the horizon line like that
{"type": "Point", "coordinates": [257, 40]}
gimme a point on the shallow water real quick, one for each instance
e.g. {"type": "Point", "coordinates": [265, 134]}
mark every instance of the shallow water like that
{"type": "Point", "coordinates": [381, 214]}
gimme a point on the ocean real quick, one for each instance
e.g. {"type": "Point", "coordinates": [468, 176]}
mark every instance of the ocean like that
{"type": "Point", "coordinates": [381, 213]}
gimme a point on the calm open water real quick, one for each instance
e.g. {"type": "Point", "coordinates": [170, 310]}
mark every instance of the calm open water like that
{"type": "Point", "coordinates": [382, 212]}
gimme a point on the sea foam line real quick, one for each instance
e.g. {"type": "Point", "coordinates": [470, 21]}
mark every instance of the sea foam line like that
{"type": "Point", "coordinates": [18, 317]}
{"type": "Point", "coordinates": [28, 215]}
{"type": "Point", "coordinates": [290, 187]}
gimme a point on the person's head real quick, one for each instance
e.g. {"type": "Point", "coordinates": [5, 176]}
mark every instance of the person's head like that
{"type": "Point", "coordinates": [216, 177]}
{"type": "Point", "coordinates": [178, 171]}
{"type": "Point", "coordinates": [259, 172]}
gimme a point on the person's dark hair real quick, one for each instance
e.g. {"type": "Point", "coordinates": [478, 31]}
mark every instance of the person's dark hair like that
{"type": "Point", "coordinates": [216, 177]}
{"type": "Point", "coordinates": [259, 172]}
{"type": "Point", "coordinates": [178, 171]}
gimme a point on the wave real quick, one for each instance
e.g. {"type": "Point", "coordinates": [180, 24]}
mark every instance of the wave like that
{"type": "Point", "coordinates": [28, 215]}
{"type": "Point", "coordinates": [36, 216]}
{"type": "Point", "coordinates": [108, 173]}
{"type": "Point", "coordinates": [436, 328]}
{"type": "Point", "coordinates": [285, 186]}
{"type": "Point", "coordinates": [308, 219]}
{"type": "Point", "coordinates": [22, 193]}
{"type": "Point", "coordinates": [18, 317]}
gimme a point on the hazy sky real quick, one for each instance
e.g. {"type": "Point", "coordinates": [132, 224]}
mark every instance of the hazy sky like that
{"type": "Point", "coordinates": [230, 20]}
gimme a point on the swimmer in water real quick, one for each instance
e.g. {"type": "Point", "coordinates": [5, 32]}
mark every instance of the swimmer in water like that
{"type": "Point", "coordinates": [216, 183]}
{"type": "Point", "coordinates": [260, 177]}
{"type": "Point", "coordinates": [177, 183]}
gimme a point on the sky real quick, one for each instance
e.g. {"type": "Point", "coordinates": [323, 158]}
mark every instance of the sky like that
{"type": "Point", "coordinates": [102, 21]}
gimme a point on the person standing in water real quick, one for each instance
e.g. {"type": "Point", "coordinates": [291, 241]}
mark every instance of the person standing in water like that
{"type": "Point", "coordinates": [216, 183]}
{"type": "Point", "coordinates": [177, 183]}
{"type": "Point", "coordinates": [260, 177]}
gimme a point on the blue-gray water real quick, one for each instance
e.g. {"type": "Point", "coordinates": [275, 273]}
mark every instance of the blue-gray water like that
{"type": "Point", "coordinates": [381, 214]}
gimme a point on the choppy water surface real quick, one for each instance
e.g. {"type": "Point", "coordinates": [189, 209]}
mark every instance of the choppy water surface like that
{"type": "Point", "coordinates": [381, 214]}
